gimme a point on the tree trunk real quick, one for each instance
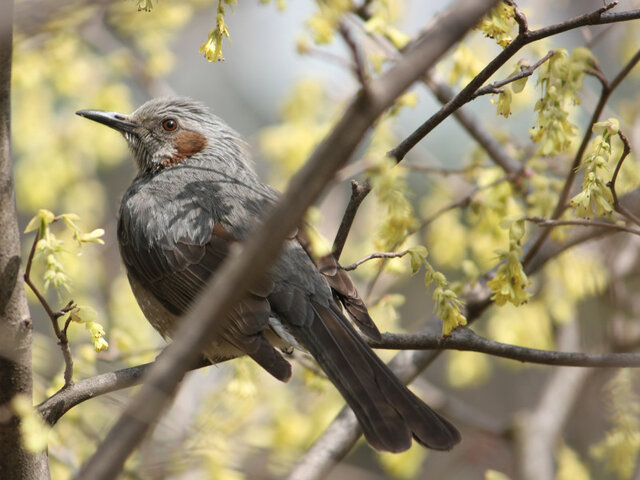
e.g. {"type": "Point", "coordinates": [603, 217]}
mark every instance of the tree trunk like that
{"type": "Point", "coordinates": [15, 321]}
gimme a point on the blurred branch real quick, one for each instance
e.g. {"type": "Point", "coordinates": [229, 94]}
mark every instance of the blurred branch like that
{"type": "Point", "coordinates": [32, 16]}
{"type": "Point", "coordinates": [524, 37]}
{"type": "Point", "coordinates": [537, 432]}
{"type": "Point", "coordinates": [547, 222]}
{"type": "Point", "coordinates": [607, 90]}
{"type": "Point", "coordinates": [245, 264]}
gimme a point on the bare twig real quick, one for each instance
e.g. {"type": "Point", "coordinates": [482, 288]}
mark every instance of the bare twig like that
{"type": "Point", "coordinates": [617, 206]}
{"type": "Point", "coordinates": [445, 172]}
{"type": "Point", "coordinates": [538, 430]}
{"type": "Point", "coordinates": [358, 194]}
{"type": "Point", "coordinates": [547, 222]}
{"type": "Point", "coordinates": [525, 71]}
{"type": "Point", "coordinates": [372, 256]}
{"type": "Point", "coordinates": [359, 61]}
{"type": "Point", "coordinates": [464, 339]}
{"type": "Point", "coordinates": [61, 335]}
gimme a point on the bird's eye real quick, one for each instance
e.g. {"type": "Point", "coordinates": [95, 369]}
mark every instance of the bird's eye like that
{"type": "Point", "coordinates": [169, 124]}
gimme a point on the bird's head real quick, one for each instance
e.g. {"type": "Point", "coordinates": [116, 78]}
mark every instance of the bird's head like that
{"type": "Point", "coordinates": [167, 131]}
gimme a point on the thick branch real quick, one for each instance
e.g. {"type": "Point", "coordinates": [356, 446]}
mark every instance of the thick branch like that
{"type": "Point", "coordinates": [245, 265]}
{"type": "Point", "coordinates": [15, 319]}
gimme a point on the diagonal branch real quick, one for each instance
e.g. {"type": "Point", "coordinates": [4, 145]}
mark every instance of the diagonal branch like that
{"type": "Point", "coordinates": [358, 193]}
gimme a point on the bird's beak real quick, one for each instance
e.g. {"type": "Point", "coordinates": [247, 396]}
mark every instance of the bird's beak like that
{"type": "Point", "coordinates": [117, 121]}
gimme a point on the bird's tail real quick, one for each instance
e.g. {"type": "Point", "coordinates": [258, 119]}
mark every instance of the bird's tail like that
{"type": "Point", "coordinates": [389, 414]}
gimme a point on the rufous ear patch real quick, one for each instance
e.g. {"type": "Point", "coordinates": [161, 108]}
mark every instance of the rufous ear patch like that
{"type": "Point", "coordinates": [188, 143]}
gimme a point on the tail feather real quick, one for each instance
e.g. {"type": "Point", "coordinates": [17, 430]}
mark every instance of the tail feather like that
{"type": "Point", "coordinates": [387, 411]}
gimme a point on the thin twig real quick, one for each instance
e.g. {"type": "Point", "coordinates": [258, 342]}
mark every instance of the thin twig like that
{"type": "Point", "coordinates": [359, 61]}
{"type": "Point", "coordinates": [524, 72]}
{"type": "Point", "coordinates": [375, 255]}
{"type": "Point", "coordinates": [617, 206]}
{"type": "Point", "coordinates": [548, 222]}
{"type": "Point", "coordinates": [358, 194]}
{"type": "Point", "coordinates": [444, 171]}
{"type": "Point", "coordinates": [61, 335]}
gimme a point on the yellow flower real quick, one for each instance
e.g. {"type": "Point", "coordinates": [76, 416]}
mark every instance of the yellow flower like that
{"type": "Point", "coordinates": [498, 24]}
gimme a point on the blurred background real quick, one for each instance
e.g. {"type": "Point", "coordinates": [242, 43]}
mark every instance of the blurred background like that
{"type": "Point", "coordinates": [282, 88]}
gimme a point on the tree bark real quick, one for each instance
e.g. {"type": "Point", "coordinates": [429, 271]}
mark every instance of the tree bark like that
{"type": "Point", "coordinates": [15, 321]}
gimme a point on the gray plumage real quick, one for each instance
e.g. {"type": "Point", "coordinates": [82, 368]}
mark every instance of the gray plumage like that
{"type": "Point", "coordinates": [196, 194]}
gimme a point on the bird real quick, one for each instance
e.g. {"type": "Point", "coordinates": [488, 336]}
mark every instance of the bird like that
{"type": "Point", "coordinates": [195, 195]}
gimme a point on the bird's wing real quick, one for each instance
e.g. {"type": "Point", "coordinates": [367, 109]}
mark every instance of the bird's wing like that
{"type": "Point", "coordinates": [342, 287]}
{"type": "Point", "coordinates": [174, 269]}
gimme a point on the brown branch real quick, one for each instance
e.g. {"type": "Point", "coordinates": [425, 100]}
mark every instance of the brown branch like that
{"type": "Point", "coordinates": [359, 61]}
{"type": "Point", "coordinates": [547, 222]}
{"type": "Point", "coordinates": [61, 335]}
{"type": "Point", "coordinates": [525, 37]}
{"type": "Point", "coordinates": [54, 407]}
{"type": "Point", "coordinates": [617, 206]}
{"type": "Point", "coordinates": [464, 339]}
{"type": "Point", "coordinates": [524, 72]}
{"type": "Point", "coordinates": [372, 256]}
{"type": "Point", "coordinates": [358, 193]}
{"type": "Point", "coordinates": [233, 278]}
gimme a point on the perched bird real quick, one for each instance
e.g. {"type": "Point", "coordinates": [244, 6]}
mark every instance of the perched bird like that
{"type": "Point", "coordinates": [195, 194]}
